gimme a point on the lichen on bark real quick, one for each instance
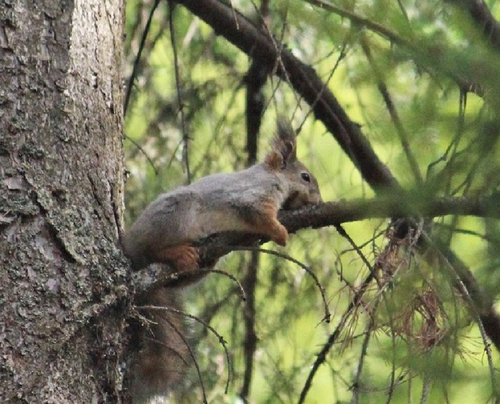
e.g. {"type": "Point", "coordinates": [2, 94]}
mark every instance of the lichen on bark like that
{"type": "Point", "coordinates": [62, 301]}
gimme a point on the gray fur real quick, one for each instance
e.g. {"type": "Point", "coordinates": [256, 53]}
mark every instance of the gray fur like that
{"type": "Point", "coordinates": [221, 202]}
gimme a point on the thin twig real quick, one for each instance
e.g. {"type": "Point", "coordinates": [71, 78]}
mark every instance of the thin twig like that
{"type": "Point", "coordinates": [400, 130]}
{"type": "Point", "coordinates": [137, 59]}
{"type": "Point", "coordinates": [175, 277]}
{"type": "Point", "coordinates": [381, 287]}
{"type": "Point", "coordinates": [359, 369]}
{"type": "Point", "coordinates": [150, 161]}
{"type": "Point", "coordinates": [181, 336]}
{"type": "Point", "coordinates": [321, 357]}
{"type": "Point", "coordinates": [474, 308]}
{"type": "Point", "coordinates": [300, 264]}
{"type": "Point", "coordinates": [208, 326]}
{"type": "Point", "coordinates": [185, 136]}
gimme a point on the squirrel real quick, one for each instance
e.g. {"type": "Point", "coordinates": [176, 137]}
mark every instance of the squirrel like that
{"type": "Point", "coordinates": [246, 201]}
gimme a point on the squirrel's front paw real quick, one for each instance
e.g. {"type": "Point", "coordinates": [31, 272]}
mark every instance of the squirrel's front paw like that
{"type": "Point", "coordinates": [280, 235]}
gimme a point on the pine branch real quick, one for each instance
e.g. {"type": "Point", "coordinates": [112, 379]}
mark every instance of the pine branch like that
{"type": "Point", "coordinates": [241, 32]}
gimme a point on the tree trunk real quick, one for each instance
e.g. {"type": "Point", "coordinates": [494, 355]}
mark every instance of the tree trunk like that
{"type": "Point", "coordinates": [61, 201]}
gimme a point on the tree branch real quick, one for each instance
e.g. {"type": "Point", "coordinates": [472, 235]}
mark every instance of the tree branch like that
{"type": "Point", "coordinates": [481, 15]}
{"type": "Point", "coordinates": [242, 33]}
{"type": "Point", "coordinates": [334, 213]}
{"type": "Point", "coordinates": [228, 22]}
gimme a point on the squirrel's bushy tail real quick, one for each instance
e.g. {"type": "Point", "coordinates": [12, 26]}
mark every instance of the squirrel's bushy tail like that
{"type": "Point", "coordinates": [161, 354]}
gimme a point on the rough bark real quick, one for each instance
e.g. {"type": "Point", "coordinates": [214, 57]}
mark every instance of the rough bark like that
{"type": "Point", "coordinates": [61, 201]}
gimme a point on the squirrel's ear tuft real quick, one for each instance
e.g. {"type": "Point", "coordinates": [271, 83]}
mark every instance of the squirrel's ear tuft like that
{"type": "Point", "coordinates": [286, 140]}
{"type": "Point", "coordinates": [285, 130]}
{"type": "Point", "coordinates": [284, 149]}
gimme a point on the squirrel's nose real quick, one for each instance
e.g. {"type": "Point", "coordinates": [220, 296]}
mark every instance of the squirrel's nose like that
{"type": "Point", "coordinates": [317, 197]}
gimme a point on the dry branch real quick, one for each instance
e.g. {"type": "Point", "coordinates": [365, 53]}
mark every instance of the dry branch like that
{"type": "Point", "coordinates": [242, 33]}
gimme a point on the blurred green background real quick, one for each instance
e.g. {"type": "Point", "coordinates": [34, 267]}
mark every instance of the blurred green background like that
{"type": "Point", "coordinates": [411, 337]}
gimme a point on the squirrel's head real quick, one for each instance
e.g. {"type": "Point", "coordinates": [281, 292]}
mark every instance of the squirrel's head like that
{"type": "Point", "coordinates": [302, 187]}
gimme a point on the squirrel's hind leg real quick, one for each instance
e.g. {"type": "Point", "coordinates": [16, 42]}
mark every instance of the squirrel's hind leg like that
{"type": "Point", "coordinates": [182, 257]}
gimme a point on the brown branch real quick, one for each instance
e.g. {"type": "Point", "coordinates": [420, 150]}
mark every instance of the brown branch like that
{"type": "Point", "coordinates": [250, 39]}
{"type": "Point", "coordinates": [246, 36]}
{"type": "Point", "coordinates": [332, 213]}
{"type": "Point", "coordinates": [481, 15]}
{"type": "Point", "coordinates": [250, 342]}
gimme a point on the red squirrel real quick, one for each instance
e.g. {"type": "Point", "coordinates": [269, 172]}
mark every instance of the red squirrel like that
{"type": "Point", "coordinates": [246, 201]}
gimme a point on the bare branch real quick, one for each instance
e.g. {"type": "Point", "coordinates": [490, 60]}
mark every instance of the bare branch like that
{"type": "Point", "coordinates": [250, 39]}
{"type": "Point", "coordinates": [332, 213]}
{"type": "Point", "coordinates": [481, 14]}
{"type": "Point", "coordinates": [137, 59]}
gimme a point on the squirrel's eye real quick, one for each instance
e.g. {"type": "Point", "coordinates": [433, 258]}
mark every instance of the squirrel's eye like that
{"type": "Point", "coordinates": [306, 177]}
